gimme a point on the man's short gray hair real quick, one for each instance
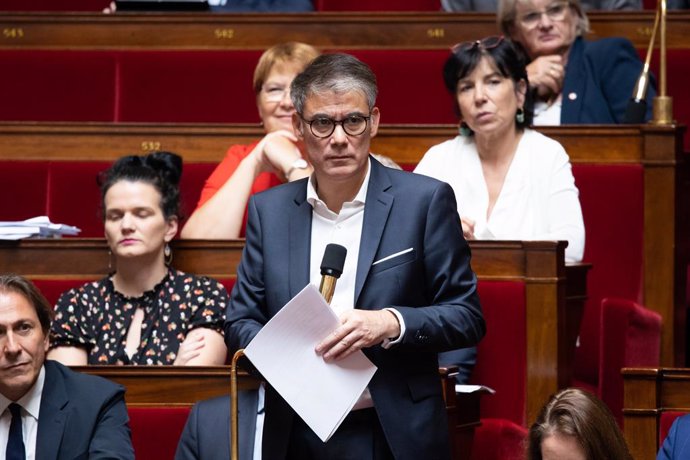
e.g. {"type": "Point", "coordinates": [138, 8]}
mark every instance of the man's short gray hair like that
{"type": "Point", "coordinates": [336, 73]}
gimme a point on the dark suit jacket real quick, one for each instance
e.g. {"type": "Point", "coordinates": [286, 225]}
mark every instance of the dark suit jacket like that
{"type": "Point", "coordinates": [677, 444]}
{"type": "Point", "coordinates": [81, 417]}
{"type": "Point", "coordinates": [206, 435]}
{"type": "Point", "coordinates": [599, 81]}
{"type": "Point", "coordinates": [433, 287]}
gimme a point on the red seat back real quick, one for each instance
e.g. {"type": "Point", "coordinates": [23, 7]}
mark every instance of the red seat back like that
{"type": "Point", "coordinates": [156, 430]}
{"type": "Point", "coordinates": [23, 186]}
{"type": "Point", "coordinates": [39, 85]}
{"type": "Point", "coordinates": [499, 439]}
{"type": "Point", "coordinates": [187, 86]}
{"type": "Point", "coordinates": [613, 244]}
{"type": "Point", "coordinates": [502, 353]}
{"type": "Point", "coordinates": [630, 337]}
{"type": "Point", "coordinates": [377, 5]}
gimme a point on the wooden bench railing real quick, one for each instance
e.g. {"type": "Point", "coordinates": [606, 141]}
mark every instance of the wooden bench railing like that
{"type": "Point", "coordinates": [326, 30]}
{"type": "Point", "coordinates": [655, 150]}
{"type": "Point", "coordinates": [554, 293]}
{"type": "Point", "coordinates": [174, 386]}
{"type": "Point", "coordinates": [650, 392]}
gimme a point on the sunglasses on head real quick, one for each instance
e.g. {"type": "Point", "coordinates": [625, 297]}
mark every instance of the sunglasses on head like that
{"type": "Point", "coordinates": [482, 45]}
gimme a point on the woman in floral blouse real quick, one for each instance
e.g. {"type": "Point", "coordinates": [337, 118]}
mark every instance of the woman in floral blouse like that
{"type": "Point", "coordinates": [145, 312]}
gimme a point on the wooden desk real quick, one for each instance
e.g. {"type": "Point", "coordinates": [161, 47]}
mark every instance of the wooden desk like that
{"type": "Point", "coordinates": [413, 30]}
{"type": "Point", "coordinates": [648, 393]}
{"type": "Point", "coordinates": [167, 386]}
{"type": "Point", "coordinates": [550, 300]}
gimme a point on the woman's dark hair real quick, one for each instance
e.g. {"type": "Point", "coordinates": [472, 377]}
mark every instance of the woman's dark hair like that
{"type": "Point", "coordinates": [507, 59]}
{"type": "Point", "coordinates": [578, 413]}
{"type": "Point", "coordinates": [160, 169]}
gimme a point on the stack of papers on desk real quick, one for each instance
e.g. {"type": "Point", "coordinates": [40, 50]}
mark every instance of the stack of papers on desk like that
{"type": "Point", "coordinates": [35, 227]}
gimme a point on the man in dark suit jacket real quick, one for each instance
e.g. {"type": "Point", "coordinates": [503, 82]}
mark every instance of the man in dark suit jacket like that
{"type": "Point", "coordinates": [206, 435]}
{"type": "Point", "coordinates": [407, 291]}
{"type": "Point", "coordinates": [66, 415]}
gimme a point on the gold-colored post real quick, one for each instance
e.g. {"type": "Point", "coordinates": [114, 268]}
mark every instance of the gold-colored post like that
{"type": "Point", "coordinates": [234, 410]}
{"type": "Point", "coordinates": [327, 287]}
{"type": "Point", "coordinates": [662, 109]}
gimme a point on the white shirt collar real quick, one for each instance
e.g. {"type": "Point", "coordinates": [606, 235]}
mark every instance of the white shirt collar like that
{"type": "Point", "coordinates": [360, 198]}
{"type": "Point", "coordinates": [31, 401]}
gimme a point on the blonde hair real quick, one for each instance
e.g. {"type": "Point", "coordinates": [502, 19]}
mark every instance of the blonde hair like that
{"type": "Point", "coordinates": [292, 53]}
{"type": "Point", "coordinates": [506, 16]}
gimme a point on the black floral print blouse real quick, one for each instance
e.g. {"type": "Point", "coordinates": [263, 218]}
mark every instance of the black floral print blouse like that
{"type": "Point", "coordinates": [96, 317]}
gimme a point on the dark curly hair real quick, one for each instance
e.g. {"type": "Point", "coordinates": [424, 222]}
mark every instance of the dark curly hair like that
{"type": "Point", "coordinates": [163, 170]}
{"type": "Point", "coordinates": [509, 61]}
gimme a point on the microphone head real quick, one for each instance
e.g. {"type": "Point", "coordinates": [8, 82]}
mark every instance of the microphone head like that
{"type": "Point", "coordinates": [333, 260]}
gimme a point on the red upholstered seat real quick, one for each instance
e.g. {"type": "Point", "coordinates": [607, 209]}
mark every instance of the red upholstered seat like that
{"type": "Point", "coordinates": [187, 86]}
{"type": "Point", "coordinates": [156, 430]}
{"type": "Point", "coordinates": [665, 421]}
{"type": "Point", "coordinates": [74, 197]}
{"type": "Point", "coordinates": [501, 360]}
{"type": "Point", "coordinates": [27, 184]}
{"type": "Point", "coordinates": [614, 242]}
{"type": "Point", "coordinates": [377, 5]}
{"type": "Point", "coordinates": [499, 439]}
{"type": "Point", "coordinates": [630, 337]}
{"type": "Point", "coordinates": [193, 177]}
{"type": "Point", "coordinates": [411, 88]}
{"type": "Point", "coordinates": [53, 288]}
{"type": "Point", "coordinates": [38, 85]}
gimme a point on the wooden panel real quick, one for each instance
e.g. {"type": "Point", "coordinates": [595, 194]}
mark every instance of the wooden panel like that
{"type": "Point", "coordinates": [657, 149]}
{"type": "Point", "coordinates": [648, 393]}
{"type": "Point", "coordinates": [552, 318]}
{"type": "Point", "coordinates": [151, 386]}
{"type": "Point", "coordinates": [406, 144]}
{"type": "Point", "coordinates": [326, 30]}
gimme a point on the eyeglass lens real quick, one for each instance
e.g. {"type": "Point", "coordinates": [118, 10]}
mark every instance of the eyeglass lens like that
{"type": "Point", "coordinates": [353, 125]}
{"type": "Point", "coordinates": [275, 93]}
{"type": "Point", "coordinates": [555, 12]}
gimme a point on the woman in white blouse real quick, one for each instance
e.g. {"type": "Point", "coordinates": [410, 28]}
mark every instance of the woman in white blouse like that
{"type": "Point", "coordinates": [511, 183]}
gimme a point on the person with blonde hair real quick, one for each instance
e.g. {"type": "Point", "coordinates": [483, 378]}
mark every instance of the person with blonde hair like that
{"type": "Point", "coordinates": [575, 425]}
{"type": "Point", "coordinates": [252, 168]}
{"type": "Point", "coordinates": [575, 81]}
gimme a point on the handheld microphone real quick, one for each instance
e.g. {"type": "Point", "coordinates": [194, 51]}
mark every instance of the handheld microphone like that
{"type": "Point", "coordinates": [331, 269]}
{"type": "Point", "coordinates": [636, 110]}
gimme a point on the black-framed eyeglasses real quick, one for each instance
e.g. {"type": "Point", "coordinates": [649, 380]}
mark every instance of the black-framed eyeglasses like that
{"type": "Point", "coordinates": [323, 127]}
{"type": "Point", "coordinates": [483, 44]}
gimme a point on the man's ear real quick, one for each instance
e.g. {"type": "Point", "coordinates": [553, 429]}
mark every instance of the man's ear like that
{"type": "Point", "coordinates": [297, 126]}
{"type": "Point", "coordinates": [374, 121]}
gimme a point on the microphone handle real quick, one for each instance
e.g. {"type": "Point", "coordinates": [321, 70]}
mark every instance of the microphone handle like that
{"type": "Point", "coordinates": [327, 287]}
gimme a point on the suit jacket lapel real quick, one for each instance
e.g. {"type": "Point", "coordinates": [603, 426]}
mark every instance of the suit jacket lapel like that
{"type": "Point", "coordinates": [574, 85]}
{"type": "Point", "coordinates": [52, 417]}
{"type": "Point", "coordinates": [299, 242]}
{"type": "Point", "coordinates": [376, 212]}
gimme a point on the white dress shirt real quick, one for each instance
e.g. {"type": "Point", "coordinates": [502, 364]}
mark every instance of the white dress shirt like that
{"type": "Point", "coordinates": [538, 201]}
{"type": "Point", "coordinates": [343, 228]}
{"type": "Point", "coordinates": [30, 404]}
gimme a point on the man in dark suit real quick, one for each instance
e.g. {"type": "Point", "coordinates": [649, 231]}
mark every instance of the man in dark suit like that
{"type": "Point", "coordinates": [206, 435]}
{"type": "Point", "coordinates": [407, 291]}
{"type": "Point", "coordinates": [49, 411]}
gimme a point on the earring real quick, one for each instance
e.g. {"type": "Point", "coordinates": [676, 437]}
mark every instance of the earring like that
{"type": "Point", "coordinates": [520, 115]}
{"type": "Point", "coordinates": [464, 130]}
{"type": "Point", "coordinates": [167, 252]}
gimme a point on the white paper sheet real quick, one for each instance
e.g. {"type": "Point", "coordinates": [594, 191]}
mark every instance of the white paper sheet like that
{"type": "Point", "coordinates": [283, 351]}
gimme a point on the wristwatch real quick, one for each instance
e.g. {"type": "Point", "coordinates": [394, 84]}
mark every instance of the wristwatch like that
{"type": "Point", "coordinates": [299, 163]}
